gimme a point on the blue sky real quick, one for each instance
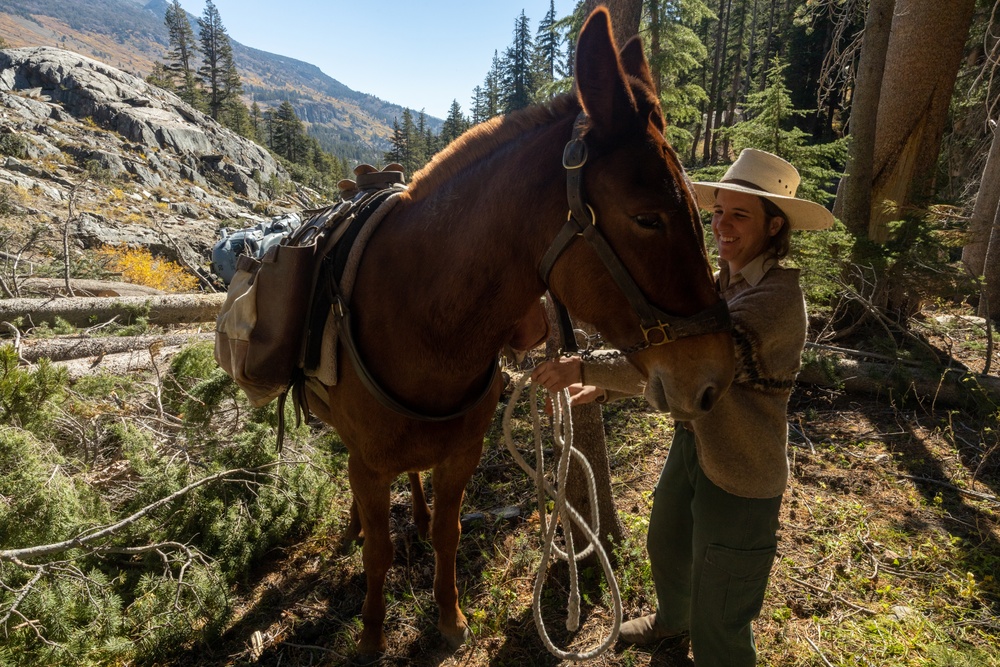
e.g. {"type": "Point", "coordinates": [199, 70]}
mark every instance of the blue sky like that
{"type": "Point", "coordinates": [420, 55]}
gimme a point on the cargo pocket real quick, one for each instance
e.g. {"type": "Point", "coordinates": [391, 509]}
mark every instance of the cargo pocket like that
{"type": "Point", "coordinates": [733, 582]}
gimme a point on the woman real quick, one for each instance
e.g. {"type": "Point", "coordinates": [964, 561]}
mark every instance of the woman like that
{"type": "Point", "coordinates": [713, 527]}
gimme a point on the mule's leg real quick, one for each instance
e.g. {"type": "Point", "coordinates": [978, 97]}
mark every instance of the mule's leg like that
{"type": "Point", "coordinates": [449, 480]}
{"type": "Point", "coordinates": [371, 497]}
{"type": "Point", "coordinates": [421, 512]}
{"type": "Point", "coordinates": [353, 532]}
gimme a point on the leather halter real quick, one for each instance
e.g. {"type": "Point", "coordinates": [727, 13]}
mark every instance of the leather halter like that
{"type": "Point", "coordinates": [658, 327]}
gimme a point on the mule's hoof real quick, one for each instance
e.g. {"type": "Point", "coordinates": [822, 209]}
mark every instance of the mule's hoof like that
{"type": "Point", "coordinates": [456, 637]}
{"type": "Point", "coordinates": [365, 658]}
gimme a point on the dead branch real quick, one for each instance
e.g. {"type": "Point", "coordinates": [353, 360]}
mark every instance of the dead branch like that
{"type": "Point", "coordinates": [88, 537]}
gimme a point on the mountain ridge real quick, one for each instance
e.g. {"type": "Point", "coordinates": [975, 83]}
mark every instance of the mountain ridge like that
{"type": "Point", "coordinates": [131, 35]}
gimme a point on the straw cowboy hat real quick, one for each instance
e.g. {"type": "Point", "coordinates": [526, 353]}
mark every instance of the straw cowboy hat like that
{"type": "Point", "coordinates": [769, 176]}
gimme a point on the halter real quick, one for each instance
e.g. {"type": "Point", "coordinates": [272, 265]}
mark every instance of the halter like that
{"type": "Point", "coordinates": [658, 327]}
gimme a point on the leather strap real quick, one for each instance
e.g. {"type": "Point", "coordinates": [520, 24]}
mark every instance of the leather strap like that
{"type": "Point", "coordinates": [381, 394]}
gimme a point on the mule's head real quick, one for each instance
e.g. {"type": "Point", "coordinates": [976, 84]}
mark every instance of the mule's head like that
{"type": "Point", "coordinates": [643, 206]}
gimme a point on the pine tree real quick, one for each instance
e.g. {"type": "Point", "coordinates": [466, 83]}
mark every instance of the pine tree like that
{"type": "Point", "coordinates": [518, 74]}
{"type": "Point", "coordinates": [454, 125]}
{"type": "Point", "coordinates": [676, 58]}
{"type": "Point", "coordinates": [479, 105]}
{"type": "Point", "coordinates": [287, 134]}
{"type": "Point", "coordinates": [219, 69]}
{"type": "Point", "coordinates": [547, 49]}
{"type": "Point", "coordinates": [180, 57]}
{"type": "Point", "coordinates": [769, 128]}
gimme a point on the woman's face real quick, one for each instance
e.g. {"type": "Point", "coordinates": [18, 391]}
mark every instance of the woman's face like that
{"type": "Point", "coordinates": [741, 228]}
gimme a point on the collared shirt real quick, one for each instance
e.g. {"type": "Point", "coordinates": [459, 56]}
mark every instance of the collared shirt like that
{"type": "Point", "coordinates": [753, 272]}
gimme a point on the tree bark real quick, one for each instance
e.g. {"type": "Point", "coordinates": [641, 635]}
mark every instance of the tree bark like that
{"type": "Point", "coordinates": [65, 348]}
{"type": "Point", "coordinates": [625, 17]}
{"type": "Point", "coordinates": [588, 422]}
{"type": "Point", "coordinates": [989, 304]}
{"type": "Point", "coordinates": [913, 108]}
{"type": "Point", "coordinates": [85, 312]}
{"type": "Point", "coordinates": [982, 226]}
{"type": "Point", "coordinates": [946, 388]}
{"type": "Point", "coordinates": [854, 199]}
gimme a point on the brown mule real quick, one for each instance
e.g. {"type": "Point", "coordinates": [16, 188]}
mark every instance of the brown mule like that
{"type": "Point", "coordinates": [453, 269]}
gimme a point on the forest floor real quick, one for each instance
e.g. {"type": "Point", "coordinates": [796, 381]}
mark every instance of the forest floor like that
{"type": "Point", "coordinates": [889, 551]}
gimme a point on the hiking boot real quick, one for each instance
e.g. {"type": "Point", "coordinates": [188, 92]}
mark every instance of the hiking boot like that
{"type": "Point", "coordinates": [644, 631]}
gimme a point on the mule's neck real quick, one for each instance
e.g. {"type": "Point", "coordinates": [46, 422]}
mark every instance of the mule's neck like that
{"type": "Point", "coordinates": [459, 261]}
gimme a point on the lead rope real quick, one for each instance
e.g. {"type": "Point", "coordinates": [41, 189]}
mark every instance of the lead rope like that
{"type": "Point", "coordinates": [562, 510]}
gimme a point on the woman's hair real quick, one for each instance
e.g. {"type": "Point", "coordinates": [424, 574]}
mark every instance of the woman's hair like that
{"type": "Point", "coordinates": [779, 243]}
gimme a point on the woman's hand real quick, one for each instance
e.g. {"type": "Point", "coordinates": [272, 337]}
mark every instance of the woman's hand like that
{"type": "Point", "coordinates": [557, 374]}
{"type": "Point", "coordinates": [578, 395]}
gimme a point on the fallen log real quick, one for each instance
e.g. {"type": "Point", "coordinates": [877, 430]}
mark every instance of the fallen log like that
{"type": "Point", "coordinates": [79, 347]}
{"type": "Point", "coordinates": [84, 312]}
{"type": "Point", "coordinates": [123, 363]}
{"type": "Point", "coordinates": [83, 287]}
{"type": "Point", "coordinates": [898, 381]}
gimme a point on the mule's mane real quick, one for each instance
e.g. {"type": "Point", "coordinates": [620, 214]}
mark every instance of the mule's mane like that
{"type": "Point", "coordinates": [483, 139]}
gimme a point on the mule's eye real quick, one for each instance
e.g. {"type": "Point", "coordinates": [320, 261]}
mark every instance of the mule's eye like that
{"type": "Point", "coordinates": [648, 221]}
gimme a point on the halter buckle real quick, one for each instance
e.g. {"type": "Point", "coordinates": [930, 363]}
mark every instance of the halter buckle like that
{"type": "Point", "coordinates": [575, 154]}
{"type": "Point", "coordinates": [665, 335]}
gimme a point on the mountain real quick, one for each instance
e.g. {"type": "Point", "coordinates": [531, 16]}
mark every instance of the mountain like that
{"type": "Point", "coordinates": [131, 35]}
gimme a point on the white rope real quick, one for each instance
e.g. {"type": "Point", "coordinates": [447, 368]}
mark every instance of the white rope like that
{"type": "Point", "coordinates": [562, 510]}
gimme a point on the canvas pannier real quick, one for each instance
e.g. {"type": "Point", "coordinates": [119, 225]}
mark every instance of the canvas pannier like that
{"type": "Point", "coordinates": [261, 331]}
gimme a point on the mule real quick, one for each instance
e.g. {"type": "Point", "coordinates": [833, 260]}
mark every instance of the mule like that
{"type": "Point", "coordinates": [455, 266]}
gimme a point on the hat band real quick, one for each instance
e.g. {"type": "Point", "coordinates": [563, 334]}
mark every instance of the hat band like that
{"type": "Point", "coordinates": [745, 184]}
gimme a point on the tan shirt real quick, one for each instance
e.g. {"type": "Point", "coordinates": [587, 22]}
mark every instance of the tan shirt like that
{"type": "Point", "coordinates": [742, 441]}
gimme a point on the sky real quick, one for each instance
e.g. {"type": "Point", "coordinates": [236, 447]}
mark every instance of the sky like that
{"type": "Point", "coordinates": [417, 54]}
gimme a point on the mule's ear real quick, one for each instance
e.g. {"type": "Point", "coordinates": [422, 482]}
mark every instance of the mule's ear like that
{"type": "Point", "coordinates": [634, 61]}
{"type": "Point", "coordinates": [600, 80]}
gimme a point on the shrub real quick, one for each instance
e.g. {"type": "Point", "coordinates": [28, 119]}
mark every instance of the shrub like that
{"type": "Point", "coordinates": [139, 266]}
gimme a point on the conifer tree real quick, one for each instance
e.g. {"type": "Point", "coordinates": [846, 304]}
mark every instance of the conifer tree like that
{"type": "Point", "coordinates": [518, 73]}
{"type": "Point", "coordinates": [479, 105]}
{"type": "Point", "coordinates": [219, 69]}
{"type": "Point", "coordinates": [768, 128]}
{"type": "Point", "coordinates": [180, 57]}
{"type": "Point", "coordinates": [547, 49]}
{"type": "Point", "coordinates": [454, 125]}
{"type": "Point", "coordinates": [286, 133]}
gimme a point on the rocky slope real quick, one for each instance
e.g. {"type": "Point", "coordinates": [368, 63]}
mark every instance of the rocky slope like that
{"type": "Point", "coordinates": [131, 35]}
{"type": "Point", "coordinates": [121, 161]}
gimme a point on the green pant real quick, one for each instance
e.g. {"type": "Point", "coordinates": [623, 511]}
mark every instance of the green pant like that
{"type": "Point", "coordinates": [711, 554]}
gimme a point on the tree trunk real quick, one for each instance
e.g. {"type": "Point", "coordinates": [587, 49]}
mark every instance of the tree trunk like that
{"type": "Point", "coordinates": [854, 198]}
{"type": "Point", "coordinates": [63, 348]}
{"type": "Point", "coordinates": [734, 91]}
{"type": "Point", "coordinates": [946, 388]}
{"type": "Point", "coordinates": [85, 312]}
{"type": "Point", "coordinates": [625, 17]}
{"type": "Point", "coordinates": [982, 226]}
{"type": "Point", "coordinates": [913, 108]}
{"type": "Point", "coordinates": [588, 422]}
{"type": "Point", "coordinates": [711, 107]}
{"type": "Point", "coordinates": [989, 304]}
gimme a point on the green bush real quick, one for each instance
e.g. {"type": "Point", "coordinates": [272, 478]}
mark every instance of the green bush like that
{"type": "Point", "coordinates": [120, 600]}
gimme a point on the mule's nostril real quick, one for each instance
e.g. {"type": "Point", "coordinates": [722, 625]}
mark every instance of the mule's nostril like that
{"type": "Point", "coordinates": [708, 398]}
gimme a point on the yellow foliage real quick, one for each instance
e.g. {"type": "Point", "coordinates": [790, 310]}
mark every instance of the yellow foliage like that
{"type": "Point", "coordinates": [138, 266]}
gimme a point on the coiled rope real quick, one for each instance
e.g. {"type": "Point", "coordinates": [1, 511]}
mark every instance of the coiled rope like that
{"type": "Point", "coordinates": [563, 511]}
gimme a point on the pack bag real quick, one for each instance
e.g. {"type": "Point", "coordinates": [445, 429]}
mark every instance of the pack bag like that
{"type": "Point", "coordinates": [261, 330]}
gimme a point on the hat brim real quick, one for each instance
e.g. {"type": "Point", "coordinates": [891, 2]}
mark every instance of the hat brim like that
{"type": "Point", "coordinates": [801, 213]}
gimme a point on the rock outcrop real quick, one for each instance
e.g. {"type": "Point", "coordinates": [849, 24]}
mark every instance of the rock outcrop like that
{"type": "Point", "coordinates": [171, 175]}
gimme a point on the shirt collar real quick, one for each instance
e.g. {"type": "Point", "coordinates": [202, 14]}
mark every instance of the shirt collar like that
{"type": "Point", "coordinates": [753, 272]}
